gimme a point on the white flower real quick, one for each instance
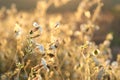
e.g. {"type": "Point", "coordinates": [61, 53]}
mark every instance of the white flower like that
{"type": "Point", "coordinates": [18, 31]}
{"type": "Point", "coordinates": [35, 24]}
{"type": "Point", "coordinates": [114, 64]}
{"type": "Point", "coordinates": [41, 48]}
{"type": "Point", "coordinates": [52, 47]}
{"type": "Point", "coordinates": [107, 62]}
{"type": "Point", "coordinates": [43, 62]}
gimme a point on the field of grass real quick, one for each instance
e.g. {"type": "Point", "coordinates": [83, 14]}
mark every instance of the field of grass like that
{"type": "Point", "coordinates": [40, 46]}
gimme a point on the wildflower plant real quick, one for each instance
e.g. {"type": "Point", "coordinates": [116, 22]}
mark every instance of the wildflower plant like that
{"type": "Point", "coordinates": [55, 46]}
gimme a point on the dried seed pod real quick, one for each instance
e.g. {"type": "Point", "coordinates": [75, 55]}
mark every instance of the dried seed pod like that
{"type": "Point", "coordinates": [96, 52]}
{"type": "Point", "coordinates": [57, 25]}
{"type": "Point", "coordinates": [51, 55]}
{"type": "Point", "coordinates": [36, 28]}
{"type": "Point", "coordinates": [69, 54]}
{"type": "Point", "coordinates": [53, 46]}
{"type": "Point", "coordinates": [35, 36]}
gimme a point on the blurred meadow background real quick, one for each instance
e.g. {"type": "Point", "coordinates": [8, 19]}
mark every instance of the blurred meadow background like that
{"type": "Point", "coordinates": [110, 15]}
{"type": "Point", "coordinates": [62, 39]}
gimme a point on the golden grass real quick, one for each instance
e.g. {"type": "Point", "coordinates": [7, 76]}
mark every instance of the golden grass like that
{"type": "Point", "coordinates": [41, 46]}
